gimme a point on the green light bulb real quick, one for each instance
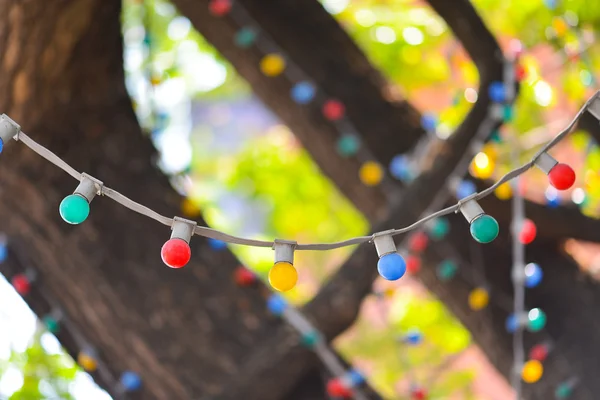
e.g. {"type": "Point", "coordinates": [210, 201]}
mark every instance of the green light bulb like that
{"type": "Point", "coordinates": [51, 324]}
{"type": "Point", "coordinates": [537, 320]}
{"type": "Point", "coordinates": [74, 209]}
{"type": "Point", "coordinates": [563, 391]}
{"type": "Point", "coordinates": [484, 228]}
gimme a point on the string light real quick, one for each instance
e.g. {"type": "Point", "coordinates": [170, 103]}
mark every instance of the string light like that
{"type": "Point", "coordinates": [561, 176]}
{"type": "Point", "coordinates": [303, 92]}
{"type": "Point", "coordinates": [176, 252]}
{"type": "Point", "coordinates": [21, 284]}
{"type": "Point", "coordinates": [333, 110]}
{"type": "Point", "coordinates": [75, 208]}
{"type": "Point", "coordinates": [533, 275]}
{"type": "Point", "coordinates": [276, 304]}
{"type": "Point", "coordinates": [446, 270]}
{"type": "Point", "coordinates": [528, 232]}
{"type": "Point", "coordinates": [371, 173]}
{"type": "Point", "coordinates": [391, 265]}
{"type": "Point", "coordinates": [418, 242]}
{"type": "Point", "coordinates": [272, 65]}
{"type": "Point", "coordinates": [131, 381]}
{"type": "Point", "coordinates": [243, 276]}
{"type": "Point", "coordinates": [532, 371]}
{"type": "Point", "coordinates": [539, 352]}
{"type": "Point", "coordinates": [478, 299]}
{"type": "Point", "coordinates": [219, 8]}
{"type": "Point", "coordinates": [87, 360]}
{"type": "Point", "coordinates": [413, 337]}
{"type": "Point", "coordinates": [534, 321]}
{"type": "Point", "coordinates": [310, 339]}
{"type": "Point", "coordinates": [245, 37]}
{"type": "Point", "coordinates": [483, 227]}
{"type": "Point", "coordinates": [337, 389]}
{"type": "Point", "coordinates": [413, 264]}
{"type": "Point", "coordinates": [283, 276]}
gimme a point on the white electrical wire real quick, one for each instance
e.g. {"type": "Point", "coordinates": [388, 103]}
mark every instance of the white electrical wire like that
{"type": "Point", "coordinates": [215, 234]}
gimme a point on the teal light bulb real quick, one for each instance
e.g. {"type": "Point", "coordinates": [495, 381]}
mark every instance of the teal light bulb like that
{"type": "Point", "coordinates": [537, 320]}
{"type": "Point", "coordinates": [446, 270]}
{"type": "Point", "coordinates": [439, 228]}
{"type": "Point", "coordinates": [51, 324]}
{"type": "Point", "coordinates": [74, 209]}
{"type": "Point", "coordinates": [310, 339]}
{"type": "Point", "coordinates": [484, 228]}
{"type": "Point", "coordinates": [563, 391]}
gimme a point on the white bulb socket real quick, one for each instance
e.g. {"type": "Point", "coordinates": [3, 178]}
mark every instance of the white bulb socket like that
{"type": "Point", "coordinates": [182, 229]}
{"type": "Point", "coordinates": [384, 243]}
{"type": "Point", "coordinates": [9, 129]}
{"type": "Point", "coordinates": [284, 251]}
{"type": "Point", "coordinates": [545, 162]}
{"type": "Point", "coordinates": [471, 209]}
{"type": "Point", "coordinates": [88, 187]}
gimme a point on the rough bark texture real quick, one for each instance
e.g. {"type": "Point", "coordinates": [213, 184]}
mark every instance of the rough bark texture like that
{"type": "Point", "coordinates": [185, 331]}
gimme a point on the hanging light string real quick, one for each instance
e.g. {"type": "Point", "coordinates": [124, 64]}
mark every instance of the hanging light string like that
{"type": "Point", "coordinates": [11, 130]}
{"type": "Point", "coordinates": [58, 323]}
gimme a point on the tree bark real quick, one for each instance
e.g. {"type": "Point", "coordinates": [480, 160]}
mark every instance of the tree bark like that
{"type": "Point", "coordinates": [184, 331]}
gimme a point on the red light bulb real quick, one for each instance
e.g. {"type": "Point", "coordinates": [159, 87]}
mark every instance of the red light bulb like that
{"type": "Point", "coordinates": [413, 264]}
{"type": "Point", "coordinates": [418, 242]}
{"type": "Point", "coordinates": [21, 284]}
{"type": "Point", "coordinates": [333, 110]}
{"type": "Point", "coordinates": [336, 388]}
{"type": "Point", "coordinates": [528, 232]}
{"type": "Point", "coordinates": [244, 277]}
{"type": "Point", "coordinates": [562, 176]}
{"type": "Point", "coordinates": [176, 253]}
{"type": "Point", "coordinates": [419, 394]}
{"type": "Point", "coordinates": [538, 352]}
{"type": "Point", "coordinates": [219, 7]}
{"type": "Point", "coordinates": [520, 72]}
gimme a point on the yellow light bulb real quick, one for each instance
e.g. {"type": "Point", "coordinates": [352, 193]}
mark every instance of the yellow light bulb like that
{"type": "Point", "coordinates": [482, 166]}
{"type": "Point", "coordinates": [190, 208]}
{"type": "Point", "coordinates": [478, 299]}
{"type": "Point", "coordinates": [389, 292]}
{"type": "Point", "coordinates": [532, 371]}
{"type": "Point", "coordinates": [560, 26]}
{"type": "Point", "coordinates": [272, 64]}
{"type": "Point", "coordinates": [371, 173]}
{"type": "Point", "coordinates": [283, 276]}
{"type": "Point", "coordinates": [504, 191]}
{"type": "Point", "coordinates": [87, 362]}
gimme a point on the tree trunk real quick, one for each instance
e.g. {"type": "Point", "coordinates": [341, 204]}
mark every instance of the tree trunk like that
{"type": "Point", "coordinates": [184, 331]}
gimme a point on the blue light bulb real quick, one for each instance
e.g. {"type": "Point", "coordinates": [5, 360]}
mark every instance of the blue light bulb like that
{"type": "Point", "coordinates": [497, 92]}
{"type": "Point", "coordinates": [1, 145]}
{"type": "Point", "coordinates": [355, 378]}
{"type": "Point", "coordinates": [216, 244]}
{"type": "Point", "coordinates": [303, 92]}
{"type": "Point", "coordinates": [391, 266]}
{"type": "Point", "coordinates": [414, 337]}
{"type": "Point", "coordinates": [511, 323]}
{"type": "Point", "coordinates": [131, 381]}
{"type": "Point", "coordinates": [400, 168]}
{"type": "Point", "coordinates": [429, 122]}
{"type": "Point", "coordinates": [533, 275]}
{"type": "Point", "coordinates": [465, 188]}
{"type": "Point", "coordinates": [276, 304]}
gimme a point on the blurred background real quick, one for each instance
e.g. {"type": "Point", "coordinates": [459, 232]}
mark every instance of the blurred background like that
{"type": "Point", "coordinates": [239, 166]}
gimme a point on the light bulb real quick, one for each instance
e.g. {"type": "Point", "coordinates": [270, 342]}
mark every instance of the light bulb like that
{"type": "Point", "coordinates": [74, 209]}
{"type": "Point", "coordinates": [391, 266]}
{"type": "Point", "coordinates": [484, 228]}
{"type": "Point", "coordinates": [283, 276]}
{"type": "Point", "coordinates": [532, 371]}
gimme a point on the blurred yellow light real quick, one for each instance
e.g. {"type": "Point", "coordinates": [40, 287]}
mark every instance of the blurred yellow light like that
{"type": "Point", "coordinates": [283, 276]}
{"type": "Point", "coordinates": [532, 371]}
{"type": "Point", "coordinates": [504, 191]}
{"type": "Point", "coordinates": [371, 173]}
{"type": "Point", "coordinates": [478, 299]}
{"type": "Point", "coordinates": [482, 167]}
{"type": "Point", "coordinates": [189, 208]}
{"type": "Point", "coordinates": [272, 64]}
{"type": "Point", "coordinates": [560, 26]}
{"type": "Point", "coordinates": [87, 362]}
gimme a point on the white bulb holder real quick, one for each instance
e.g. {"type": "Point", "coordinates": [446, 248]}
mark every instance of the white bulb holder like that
{"type": "Point", "coordinates": [384, 243]}
{"type": "Point", "coordinates": [182, 229]}
{"type": "Point", "coordinates": [594, 107]}
{"type": "Point", "coordinates": [9, 129]}
{"type": "Point", "coordinates": [470, 208]}
{"type": "Point", "coordinates": [89, 187]}
{"type": "Point", "coordinates": [545, 162]}
{"type": "Point", "coordinates": [522, 319]}
{"type": "Point", "coordinates": [284, 250]}
{"type": "Point", "coordinates": [518, 274]}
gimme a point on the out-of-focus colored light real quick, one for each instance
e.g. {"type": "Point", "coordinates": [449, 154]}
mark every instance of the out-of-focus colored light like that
{"type": "Point", "coordinates": [365, 17]}
{"type": "Point", "coordinates": [478, 299]}
{"type": "Point", "coordinates": [532, 371]}
{"type": "Point", "coordinates": [586, 77]}
{"type": "Point", "coordinates": [335, 6]}
{"type": "Point", "coordinates": [385, 34]}
{"type": "Point", "coordinates": [543, 93]}
{"type": "Point", "coordinates": [412, 35]}
{"type": "Point", "coordinates": [504, 191]}
{"type": "Point", "coordinates": [179, 28]}
{"type": "Point", "coordinates": [578, 196]}
{"type": "Point", "coordinates": [471, 95]}
{"type": "Point", "coordinates": [482, 167]}
{"type": "Point", "coordinates": [371, 173]}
